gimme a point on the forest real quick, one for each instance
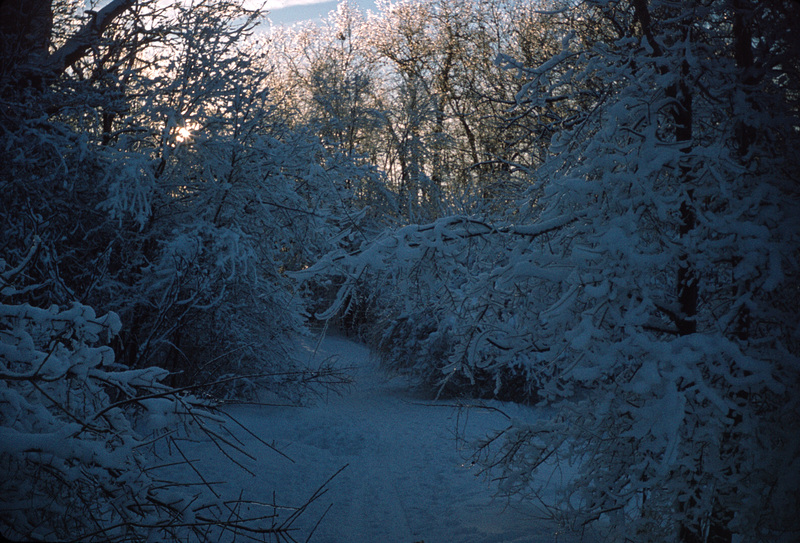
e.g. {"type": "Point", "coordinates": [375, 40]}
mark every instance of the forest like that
{"type": "Point", "coordinates": [587, 205]}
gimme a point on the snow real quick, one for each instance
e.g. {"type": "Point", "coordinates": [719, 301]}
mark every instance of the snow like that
{"type": "Point", "coordinates": [406, 477]}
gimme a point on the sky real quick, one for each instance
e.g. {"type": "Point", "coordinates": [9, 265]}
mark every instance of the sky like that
{"type": "Point", "coordinates": [288, 12]}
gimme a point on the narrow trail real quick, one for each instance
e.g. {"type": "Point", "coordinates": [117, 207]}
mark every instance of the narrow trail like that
{"type": "Point", "coordinates": [406, 478]}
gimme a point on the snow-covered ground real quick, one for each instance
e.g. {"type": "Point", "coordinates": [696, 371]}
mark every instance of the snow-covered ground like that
{"type": "Point", "coordinates": [406, 477]}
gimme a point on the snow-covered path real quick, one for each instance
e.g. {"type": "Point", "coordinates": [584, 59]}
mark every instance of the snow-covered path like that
{"type": "Point", "coordinates": [406, 479]}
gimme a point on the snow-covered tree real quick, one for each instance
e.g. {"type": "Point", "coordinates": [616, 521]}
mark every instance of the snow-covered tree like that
{"type": "Point", "coordinates": [164, 189]}
{"type": "Point", "coordinates": [414, 87]}
{"type": "Point", "coordinates": [672, 342]}
{"type": "Point", "coordinates": [145, 181]}
{"type": "Point", "coordinates": [645, 288]}
{"type": "Point", "coordinates": [91, 450]}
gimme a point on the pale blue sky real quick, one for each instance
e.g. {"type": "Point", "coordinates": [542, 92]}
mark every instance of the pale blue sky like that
{"type": "Point", "coordinates": [287, 12]}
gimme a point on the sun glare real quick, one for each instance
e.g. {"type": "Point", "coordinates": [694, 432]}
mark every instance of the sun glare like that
{"type": "Point", "coordinates": [186, 132]}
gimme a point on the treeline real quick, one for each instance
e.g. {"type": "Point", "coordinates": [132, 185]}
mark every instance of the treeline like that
{"type": "Point", "coordinates": [416, 89]}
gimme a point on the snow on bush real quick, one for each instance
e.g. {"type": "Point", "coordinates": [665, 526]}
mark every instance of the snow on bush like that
{"type": "Point", "coordinates": [78, 433]}
{"type": "Point", "coordinates": [442, 307]}
{"type": "Point", "coordinates": [645, 288]}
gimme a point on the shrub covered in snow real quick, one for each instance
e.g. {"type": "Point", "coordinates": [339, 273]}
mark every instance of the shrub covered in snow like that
{"type": "Point", "coordinates": [77, 432]}
{"type": "Point", "coordinates": [645, 286]}
{"type": "Point", "coordinates": [165, 188]}
{"type": "Point", "coordinates": [443, 307]}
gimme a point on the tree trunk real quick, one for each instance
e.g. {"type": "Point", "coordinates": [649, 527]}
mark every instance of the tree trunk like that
{"type": "Point", "coordinates": [745, 134]}
{"type": "Point", "coordinates": [687, 287]}
{"type": "Point", "coordinates": [25, 28]}
{"type": "Point", "coordinates": [25, 31]}
{"type": "Point", "coordinates": [687, 281]}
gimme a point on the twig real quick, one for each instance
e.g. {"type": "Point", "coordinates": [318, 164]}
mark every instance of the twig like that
{"type": "Point", "coordinates": [246, 429]}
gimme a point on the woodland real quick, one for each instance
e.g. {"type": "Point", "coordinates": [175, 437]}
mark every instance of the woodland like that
{"type": "Point", "coordinates": [592, 206]}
